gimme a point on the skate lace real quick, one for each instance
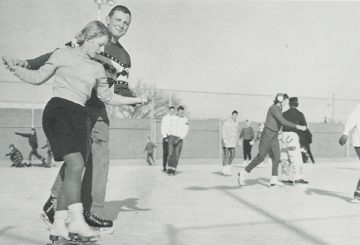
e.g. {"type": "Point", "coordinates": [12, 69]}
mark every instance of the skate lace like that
{"type": "Point", "coordinates": [97, 217]}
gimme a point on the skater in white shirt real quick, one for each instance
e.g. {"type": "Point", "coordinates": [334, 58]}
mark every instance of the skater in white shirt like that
{"type": "Point", "coordinates": [167, 123]}
{"type": "Point", "coordinates": [177, 133]}
{"type": "Point", "coordinates": [230, 136]}
{"type": "Point", "coordinates": [352, 126]}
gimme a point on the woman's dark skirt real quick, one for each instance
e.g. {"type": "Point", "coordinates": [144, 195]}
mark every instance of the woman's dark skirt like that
{"type": "Point", "coordinates": [67, 127]}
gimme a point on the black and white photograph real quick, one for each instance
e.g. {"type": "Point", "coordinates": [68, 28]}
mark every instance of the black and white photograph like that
{"type": "Point", "coordinates": [179, 122]}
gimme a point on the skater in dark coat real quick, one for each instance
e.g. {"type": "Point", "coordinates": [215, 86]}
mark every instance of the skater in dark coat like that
{"type": "Point", "coordinates": [33, 142]}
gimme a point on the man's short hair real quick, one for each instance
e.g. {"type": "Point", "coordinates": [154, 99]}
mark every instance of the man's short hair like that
{"type": "Point", "coordinates": [180, 108]}
{"type": "Point", "coordinates": [171, 107]}
{"type": "Point", "coordinates": [121, 8]}
{"type": "Point", "coordinates": [234, 112]}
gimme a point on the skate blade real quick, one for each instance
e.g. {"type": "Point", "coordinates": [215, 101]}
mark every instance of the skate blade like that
{"type": "Point", "coordinates": [45, 219]}
{"type": "Point", "coordinates": [56, 240]}
{"type": "Point", "coordinates": [355, 201]}
{"type": "Point", "coordinates": [104, 231]}
{"type": "Point", "coordinates": [80, 239]}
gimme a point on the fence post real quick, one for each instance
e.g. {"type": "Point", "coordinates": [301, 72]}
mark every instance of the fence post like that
{"type": "Point", "coordinates": [219, 143]}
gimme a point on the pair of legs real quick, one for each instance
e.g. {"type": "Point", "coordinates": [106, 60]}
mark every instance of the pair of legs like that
{"type": "Point", "coordinates": [228, 155]}
{"type": "Point", "coordinates": [93, 188]}
{"type": "Point", "coordinates": [66, 125]}
{"type": "Point", "coordinates": [269, 144]}
{"type": "Point", "coordinates": [165, 144]}
{"type": "Point", "coordinates": [150, 158]}
{"type": "Point", "coordinates": [70, 189]}
{"type": "Point", "coordinates": [357, 191]}
{"type": "Point", "coordinates": [175, 146]}
{"type": "Point", "coordinates": [291, 158]}
{"type": "Point", "coordinates": [247, 149]}
{"type": "Point", "coordinates": [34, 152]}
{"type": "Point", "coordinates": [308, 150]}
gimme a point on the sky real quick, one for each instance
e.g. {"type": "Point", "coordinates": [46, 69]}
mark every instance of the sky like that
{"type": "Point", "coordinates": [307, 49]}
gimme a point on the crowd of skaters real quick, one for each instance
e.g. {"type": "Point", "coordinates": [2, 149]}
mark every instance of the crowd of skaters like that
{"type": "Point", "coordinates": [280, 137]}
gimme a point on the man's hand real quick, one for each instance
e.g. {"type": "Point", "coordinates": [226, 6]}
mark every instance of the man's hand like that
{"type": "Point", "coordinates": [145, 99]}
{"type": "Point", "coordinates": [300, 127]}
{"type": "Point", "coordinates": [343, 139]}
{"type": "Point", "coordinates": [177, 141]}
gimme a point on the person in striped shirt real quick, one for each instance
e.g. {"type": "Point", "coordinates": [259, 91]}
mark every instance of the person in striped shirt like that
{"type": "Point", "coordinates": [16, 157]}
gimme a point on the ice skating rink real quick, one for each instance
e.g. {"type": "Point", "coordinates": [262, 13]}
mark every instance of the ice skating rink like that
{"type": "Point", "coordinates": [198, 205]}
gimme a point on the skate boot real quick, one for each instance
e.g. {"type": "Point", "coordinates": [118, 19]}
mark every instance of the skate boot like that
{"type": "Point", "coordinates": [58, 229]}
{"type": "Point", "coordinates": [241, 177]}
{"type": "Point", "coordinates": [228, 169]}
{"type": "Point", "coordinates": [274, 181]}
{"type": "Point", "coordinates": [49, 211]}
{"type": "Point", "coordinates": [356, 198]}
{"type": "Point", "coordinates": [301, 181]}
{"type": "Point", "coordinates": [102, 226]}
{"type": "Point", "coordinates": [224, 171]}
{"type": "Point", "coordinates": [79, 230]}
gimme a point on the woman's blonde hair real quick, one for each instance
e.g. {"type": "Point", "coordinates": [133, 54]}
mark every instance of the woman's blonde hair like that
{"type": "Point", "coordinates": [93, 29]}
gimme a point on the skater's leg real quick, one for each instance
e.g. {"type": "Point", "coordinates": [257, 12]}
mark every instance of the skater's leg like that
{"type": "Point", "coordinates": [275, 156]}
{"type": "Point", "coordinates": [165, 152]}
{"type": "Point", "coordinates": [249, 152]}
{"type": "Point", "coordinates": [274, 153]}
{"type": "Point", "coordinates": [226, 155]}
{"type": "Point", "coordinates": [151, 158]}
{"type": "Point", "coordinates": [357, 191]}
{"type": "Point", "coordinates": [96, 175]}
{"type": "Point", "coordinates": [231, 155]}
{"type": "Point", "coordinates": [50, 205]}
{"type": "Point", "coordinates": [172, 154]}
{"type": "Point", "coordinates": [310, 153]}
{"type": "Point", "coordinates": [230, 159]}
{"type": "Point", "coordinates": [74, 168]}
{"type": "Point", "coordinates": [72, 192]}
{"type": "Point", "coordinates": [264, 146]}
{"type": "Point", "coordinates": [244, 150]}
{"type": "Point", "coordinates": [177, 151]}
{"type": "Point", "coordinates": [38, 156]}
{"type": "Point", "coordinates": [30, 156]}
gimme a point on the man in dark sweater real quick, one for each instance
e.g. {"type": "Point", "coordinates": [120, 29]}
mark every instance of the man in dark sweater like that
{"type": "Point", "coordinates": [269, 142]}
{"type": "Point", "coordinates": [33, 142]}
{"type": "Point", "coordinates": [291, 143]}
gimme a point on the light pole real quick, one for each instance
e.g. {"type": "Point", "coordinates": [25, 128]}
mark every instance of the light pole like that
{"type": "Point", "coordinates": [99, 3]}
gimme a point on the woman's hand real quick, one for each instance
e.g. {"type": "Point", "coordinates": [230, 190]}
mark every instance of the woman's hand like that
{"type": "Point", "coordinates": [9, 63]}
